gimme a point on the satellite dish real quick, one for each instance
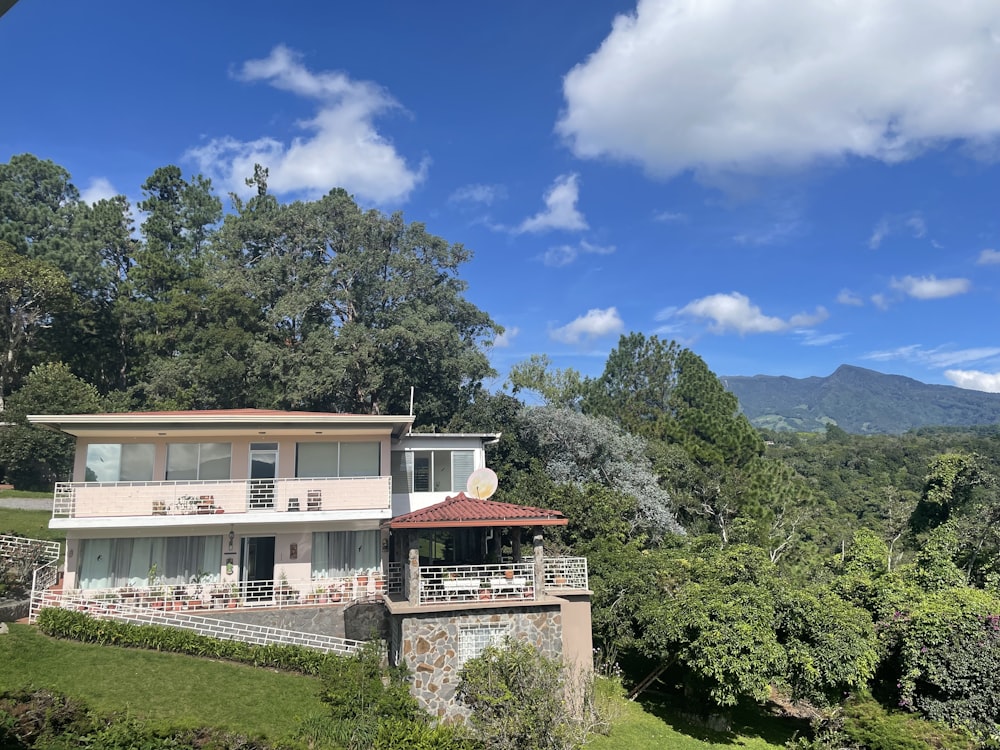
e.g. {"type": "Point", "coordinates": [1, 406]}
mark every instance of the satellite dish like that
{"type": "Point", "coordinates": [482, 483]}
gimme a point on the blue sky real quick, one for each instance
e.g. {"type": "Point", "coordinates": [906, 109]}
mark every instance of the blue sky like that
{"type": "Point", "coordinates": [782, 185]}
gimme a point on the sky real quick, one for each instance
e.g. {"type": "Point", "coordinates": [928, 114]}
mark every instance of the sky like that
{"type": "Point", "coordinates": [783, 186]}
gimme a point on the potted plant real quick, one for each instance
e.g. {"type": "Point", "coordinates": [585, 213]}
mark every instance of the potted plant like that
{"type": "Point", "coordinates": [234, 595]}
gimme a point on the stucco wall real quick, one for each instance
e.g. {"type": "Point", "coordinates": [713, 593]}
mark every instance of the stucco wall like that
{"type": "Point", "coordinates": [428, 645]}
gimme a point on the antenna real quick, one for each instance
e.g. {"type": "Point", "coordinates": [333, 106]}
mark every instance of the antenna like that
{"type": "Point", "coordinates": [482, 483]}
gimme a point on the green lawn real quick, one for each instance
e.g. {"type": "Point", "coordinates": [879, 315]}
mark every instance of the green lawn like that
{"type": "Point", "coordinates": [179, 690]}
{"type": "Point", "coordinates": [30, 523]}
{"type": "Point", "coordinates": [25, 493]}
{"type": "Point", "coordinates": [652, 725]}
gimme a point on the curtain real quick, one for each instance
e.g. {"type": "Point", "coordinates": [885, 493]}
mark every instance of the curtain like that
{"type": "Point", "coordinates": [111, 563]}
{"type": "Point", "coordinates": [338, 554]}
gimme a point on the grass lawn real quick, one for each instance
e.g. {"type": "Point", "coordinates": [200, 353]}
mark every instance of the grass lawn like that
{"type": "Point", "coordinates": [25, 493]}
{"type": "Point", "coordinates": [653, 725]}
{"type": "Point", "coordinates": [30, 523]}
{"type": "Point", "coordinates": [181, 691]}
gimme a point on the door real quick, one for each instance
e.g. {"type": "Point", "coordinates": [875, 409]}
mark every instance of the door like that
{"type": "Point", "coordinates": [258, 567]}
{"type": "Point", "coordinates": [263, 472]}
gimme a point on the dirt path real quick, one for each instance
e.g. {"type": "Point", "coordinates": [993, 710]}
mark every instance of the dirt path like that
{"type": "Point", "coordinates": [26, 503]}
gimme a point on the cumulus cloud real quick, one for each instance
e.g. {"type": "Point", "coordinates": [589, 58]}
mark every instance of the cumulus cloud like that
{"type": "Point", "coordinates": [735, 86]}
{"type": "Point", "coordinates": [975, 380]}
{"type": "Point", "coordinates": [595, 324]}
{"type": "Point", "coordinates": [940, 356]}
{"type": "Point", "coordinates": [847, 297]}
{"type": "Point", "coordinates": [100, 188]}
{"type": "Point", "coordinates": [341, 146]}
{"type": "Point", "coordinates": [930, 287]}
{"type": "Point", "coordinates": [735, 312]}
{"type": "Point", "coordinates": [560, 208]}
{"type": "Point", "coordinates": [989, 258]}
{"type": "Point", "coordinates": [564, 255]}
{"type": "Point", "coordinates": [506, 338]}
{"type": "Point", "coordinates": [486, 195]}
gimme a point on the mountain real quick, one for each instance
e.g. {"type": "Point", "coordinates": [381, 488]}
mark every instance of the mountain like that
{"type": "Point", "coordinates": [859, 401]}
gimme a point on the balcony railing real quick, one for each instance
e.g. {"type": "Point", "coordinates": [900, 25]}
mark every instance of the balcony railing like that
{"type": "Point", "coordinates": [217, 596]}
{"type": "Point", "coordinates": [184, 498]}
{"type": "Point", "coordinates": [566, 573]}
{"type": "Point", "coordinates": [457, 583]}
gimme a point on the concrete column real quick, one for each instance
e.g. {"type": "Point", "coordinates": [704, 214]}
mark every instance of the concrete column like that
{"type": "Point", "coordinates": [515, 543]}
{"type": "Point", "coordinates": [384, 547]}
{"type": "Point", "coordinates": [411, 572]}
{"type": "Point", "coordinates": [536, 541]}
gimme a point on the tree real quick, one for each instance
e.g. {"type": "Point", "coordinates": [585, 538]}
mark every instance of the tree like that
{"type": "Point", "coordinates": [517, 698]}
{"type": "Point", "coordinates": [31, 292]}
{"type": "Point", "coordinates": [33, 458]}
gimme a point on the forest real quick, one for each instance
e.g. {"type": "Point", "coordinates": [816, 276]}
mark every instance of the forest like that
{"type": "Point", "coordinates": [853, 580]}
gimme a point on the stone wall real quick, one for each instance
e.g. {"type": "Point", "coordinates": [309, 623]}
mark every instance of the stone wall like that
{"type": "Point", "coordinates": [428, 645]}
{"type": "Point", "coordinates": [358, 621]}
{"type": "Point", "coordinates": [11, 611]}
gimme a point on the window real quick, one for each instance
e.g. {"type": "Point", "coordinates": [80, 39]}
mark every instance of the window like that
{"type": "Point", "coordinates": [431, 471]}
{"type": "Point", "coordinates": [198, 461]}
{"type": "Point", "coordinates": [474, 639]}
{"type": "Point", "coordinates": [338, 554]}
{"type": "Point", "coordinates": [337, 460]}
{"type": "Point", "coordinates": [109, 563]}
{"type": "Point", "coordinates": [120, 462]}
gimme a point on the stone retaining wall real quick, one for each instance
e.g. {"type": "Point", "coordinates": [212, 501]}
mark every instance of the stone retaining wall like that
{"type": "Point", "coordinates": [14, 610]}
{"type": "Point", "coordinates": [428, 644]}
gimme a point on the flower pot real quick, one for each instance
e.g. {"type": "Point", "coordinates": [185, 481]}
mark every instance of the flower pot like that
{"type": "Point", "coordinates": [484, 595]}
{"type": "Point", "coordinates": [231, 604]}
{"type": "Point", "coordinates": [508, 574]}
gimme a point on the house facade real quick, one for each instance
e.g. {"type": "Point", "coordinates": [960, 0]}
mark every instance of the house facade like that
{"type": "Point", "coordinates": [249, 498]}
{"type": "Point", "coordinates": [281, 519]}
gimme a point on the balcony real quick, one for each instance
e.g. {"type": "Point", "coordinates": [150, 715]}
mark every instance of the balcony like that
{"type": "Point", "coordinates": [79, 500]}
{"type": "Point", "coordinates": [503, 582]}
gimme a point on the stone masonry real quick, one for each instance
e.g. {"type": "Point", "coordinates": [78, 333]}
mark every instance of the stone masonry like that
{"type": "Point", "coordinates": [428, 645]}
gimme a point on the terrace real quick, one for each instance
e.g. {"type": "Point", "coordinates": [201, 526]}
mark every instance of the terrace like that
{"type": "Point", "coordinates": [78, 500]}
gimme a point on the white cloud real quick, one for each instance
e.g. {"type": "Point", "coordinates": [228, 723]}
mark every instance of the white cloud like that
{"type": "Point", "coordinates": [940, 356]}
{"type": "Point", "coordinates": [506, 338]}
{"type": "Point", "coordinates": [735, 312]}
{"type": "Point", "coordinates": [917, 225]}
{"type": "Point", "coordinates": [595, 324]}
{"type": "Point", "coordinates": [776, 233]}
{"type": "Point", "coordinates": [913, 224]}
{"type": "Point", "coordinates": [930, 287]}
{"type": "Point", "coordinates": [878, 234]}
{"type": "Point", "coordinates": [975, 380]}
{"type": "Point", "coordinates": [341, 148]}
{"type": "Point", "coordinates": [560, 208]}
{"type": "Point", "coordinates": [989, 258]}
{"type": "Point", "coordinates": [100, 188]}
{"type": "Point", "coordinates": [669, 217]}
{"type": "Point", "coordinates": [564, 255]}
{"type": "Point", "coordinates": [736, 86]}
{"type": "Point", "coordinates": [811, 337]}
{"type": "Point", "coordinates": [847, 297]}
{"type": "Point", "coordinates": [880, 301]}
{"type": "Point", "coordinates": [478, 193]}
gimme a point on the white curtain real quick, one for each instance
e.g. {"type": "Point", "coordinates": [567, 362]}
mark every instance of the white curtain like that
{"type": "Point", "coordinates": [110, 563]}
{"type": "Point", "coordinates": [337, 554]}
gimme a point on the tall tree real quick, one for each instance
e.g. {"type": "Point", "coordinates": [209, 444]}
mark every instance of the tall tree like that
{"type": "Point", "coordinates": [31, 291]}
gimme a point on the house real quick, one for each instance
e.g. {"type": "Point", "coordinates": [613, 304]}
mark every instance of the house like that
{"type": "Point", "coordinates": [253, 497]}
{"type": "Point", "coordinates": [249, 512]}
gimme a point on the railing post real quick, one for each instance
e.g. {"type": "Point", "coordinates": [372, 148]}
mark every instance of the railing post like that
{"type": "Point", "coordinates": [411, 576]}
{"type": "Point", "coordinates": [539, 559]}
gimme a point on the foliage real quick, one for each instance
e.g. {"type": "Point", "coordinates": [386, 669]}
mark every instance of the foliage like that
{"type": "Point", "coordinates": [33, 457]}
{"type": "Point", "coordinates": [863, 724]}
{"type": "Point", "coordinates": [517, 698]}
{"type": "Point", "coordinates": [64, 623]}
{"type": "Point", "coordinates": [950, 657]}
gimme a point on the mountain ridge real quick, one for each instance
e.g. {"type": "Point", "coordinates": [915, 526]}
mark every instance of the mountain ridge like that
{"type": "Point", "coordinates": [860, 401]}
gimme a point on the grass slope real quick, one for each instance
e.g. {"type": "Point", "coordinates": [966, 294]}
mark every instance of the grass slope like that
{"type": "Point", "coordinates": [30, 523]}
{"type": "Point", "coordinates": [181, 691]}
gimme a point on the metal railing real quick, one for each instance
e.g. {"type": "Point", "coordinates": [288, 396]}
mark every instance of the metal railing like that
{"type": "Point", "coordinates": [14, 548]}
{"type": "Point", "coordinates": [204, 624]}
{"type": "Point", "coordinates": [566, 573]}
{"type": "Point", "coordinates": [211, 497]}
{"type": "Point", "coordinates": [215, 596]}
{"type": "Point", "coordinates": [451, 583]}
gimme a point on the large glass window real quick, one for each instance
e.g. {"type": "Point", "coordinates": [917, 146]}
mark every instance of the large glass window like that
{"type": "Point", "coordinates": [199, 461]}
{"type": "Point", "coordinates": [431, 471]}
{"type": "Point", "coordinates": [337, 460]}
{"type": "Point", "coordinates": [110, 563]}
{"type": "Point", "coordinates": [337, 554]}
{"type": "Point", "coordinates": [120, 462]}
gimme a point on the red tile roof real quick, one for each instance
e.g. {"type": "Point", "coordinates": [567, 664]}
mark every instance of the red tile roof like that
{"type": "Point", "coordinates": [462, 510]}
{"type": "Point", "coordinates": [227, 412]}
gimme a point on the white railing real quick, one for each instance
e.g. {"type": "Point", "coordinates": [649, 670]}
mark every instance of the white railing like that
{"type": "Point", "coordinates": [206, 625]}
{"type": "Point", "coordinates": [457, 583]}
{"type": "Point", "coordinates": [14, 548]}
{"type": "Point", "coordinates": [216, 596]}
{"type": "Point", "coordinates": [566, 573]}
{"type": "Point", "coordinates": [42, 579]}
{"type": "Point", "coordinates": [211, 497]}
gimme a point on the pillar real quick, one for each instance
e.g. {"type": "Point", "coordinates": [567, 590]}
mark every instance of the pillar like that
{"type": "Point", "coordinates": [536, 542]}
{"type": "Point", "coordinates": [411, 570]}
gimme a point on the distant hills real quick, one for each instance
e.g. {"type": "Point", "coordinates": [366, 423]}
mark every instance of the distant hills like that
{"type": "Point", "coordinates": [859, 401]}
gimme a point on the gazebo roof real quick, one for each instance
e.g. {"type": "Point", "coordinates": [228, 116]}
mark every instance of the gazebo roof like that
{"type": "Point", "coordinates": [464, 511]}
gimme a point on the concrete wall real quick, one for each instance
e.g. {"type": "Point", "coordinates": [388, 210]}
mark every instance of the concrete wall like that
{"type": "Point", "coordinates": [428, 645]}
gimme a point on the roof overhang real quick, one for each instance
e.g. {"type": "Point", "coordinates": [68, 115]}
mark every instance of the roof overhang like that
{"type": "Point", "coordinates": [262, 423]}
